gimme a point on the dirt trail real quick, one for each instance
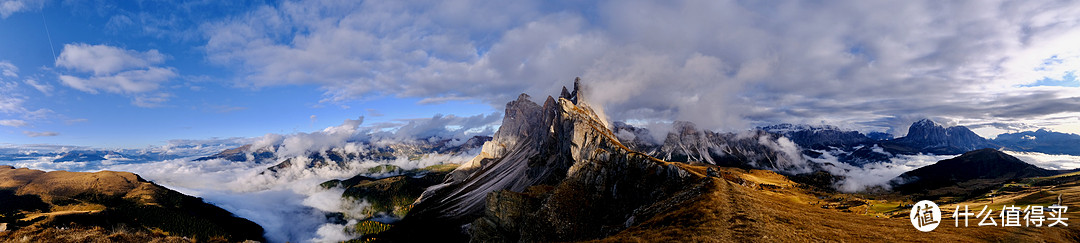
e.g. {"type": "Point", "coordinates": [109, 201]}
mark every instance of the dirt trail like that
{"type": "Point", "coordinates": [57, 213]}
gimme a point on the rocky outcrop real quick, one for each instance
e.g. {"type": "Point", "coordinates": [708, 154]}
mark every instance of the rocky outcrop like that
{"type": "Point", "coordinates": [242, 153]}
{"type": "Point", "coordinates": [817, 137]}
{"type": "Point", "coordinates": [686, 143]}
{"type": "Point", "coordinates": [552, 172]}
{"type": "Point", "coordinates": [389, 197]}
{"type": "Point", "coordinates": [925, 136]}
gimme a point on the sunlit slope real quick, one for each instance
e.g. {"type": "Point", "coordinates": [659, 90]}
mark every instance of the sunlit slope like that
{"type": "Point", "coordinates": [111, 204]}
{"type": "Point", "coordinates": [757, 205]}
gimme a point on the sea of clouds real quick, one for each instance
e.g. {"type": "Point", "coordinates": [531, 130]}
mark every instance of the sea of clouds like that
{"type": "Point", "coordinates": [289, 204]}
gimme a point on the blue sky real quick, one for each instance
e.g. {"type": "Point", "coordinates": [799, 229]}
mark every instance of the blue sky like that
{"type": "Point", "coordinates": [202, 102]}
{"type": "Point", "coordinates": [139, 73]}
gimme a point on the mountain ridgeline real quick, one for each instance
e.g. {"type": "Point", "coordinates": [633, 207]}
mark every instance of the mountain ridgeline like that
{"type": "Point", "coordinates": [977, 171]}
{"type": "Point", "coordinates": [378, 151]}
{"type": "Point", "coordinates": [925, 137]}
{"type": "Point", "coordinates": [552, 172]}
{"type": "Point", "coordinates": [763, 148]}
{"type": "Point", "coordinates": [1042, 141]}
{"type": "Point", "coordinates": [687, 143]}
{"type": "Point", "coordinates": [555, 172]}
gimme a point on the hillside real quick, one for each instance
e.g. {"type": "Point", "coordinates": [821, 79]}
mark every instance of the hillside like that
{"type": "Point", "coordinates": [109, 203]}
{"type": "Point", "coordinates": [762, 206]}
{"type": "Point", "coordinates": [968, 172]}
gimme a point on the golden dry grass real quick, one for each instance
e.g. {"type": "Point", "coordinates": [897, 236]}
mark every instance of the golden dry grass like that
{"type": "Point", "coordinates": [743, 211]}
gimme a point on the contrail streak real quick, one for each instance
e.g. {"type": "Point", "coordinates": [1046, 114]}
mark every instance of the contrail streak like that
{"type": "Point", "coordinates": [47, 34]}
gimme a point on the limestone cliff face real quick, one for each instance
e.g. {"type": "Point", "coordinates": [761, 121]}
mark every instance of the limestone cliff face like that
{"type": "Point", "coordinates": [686, 143]}
{"type": "Point", "coordinates": [552, 172]}
{"type": "Point", "coordinates": [929, 137]}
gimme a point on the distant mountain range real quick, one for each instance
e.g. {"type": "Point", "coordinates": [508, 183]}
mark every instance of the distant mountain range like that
{"type": "Point", "coordinates": [356, 151]}
{"type": "Point", "coordinates": [924, 136]}
{"type": "Point", "coordinates": [89, 155]}
{"type": "Point", "coordinates": [1042, 141]}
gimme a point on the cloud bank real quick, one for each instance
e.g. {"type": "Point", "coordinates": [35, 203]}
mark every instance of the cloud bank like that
{"type": "Point", "coordinates": [729, 65]}
{"type": "Point", "coordinates": [289, 203]}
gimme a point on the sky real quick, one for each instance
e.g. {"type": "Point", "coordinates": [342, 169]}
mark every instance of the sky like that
{"type": "Point", "coordinates": [132, 74]}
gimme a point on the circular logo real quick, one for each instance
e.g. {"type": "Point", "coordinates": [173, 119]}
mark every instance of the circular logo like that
{"type": "Point", "coordinates": [925, 216]}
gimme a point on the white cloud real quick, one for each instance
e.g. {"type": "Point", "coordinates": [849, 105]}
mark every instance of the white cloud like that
{"type": "Point", "coordinates": [44, 88]}
{"type": "Point", "coordinates": [150, 100]}
{"type": "Point", "coordinates": [300, 144]}
{"type": "Point", "coordinates": [10, 101]}
{"type": "Point", "coordinates": [722, 64]}
{"type": "Point", "coordinates": [1048, 161]}
{"type": "Point", "coordinates": [878, 174]}
{"type": "Point", "coordinates": [104, 59]}
{"type": "Point", "coordinates": [8, 70]}
{"type": "Point", "coordinates": [13, 123]}
{"type": "Point", "coordinates": [114, 70]}
{"type": "Point", "coordinates": [133, 81]}
{"type": "Point", "coordinates": [9, 7]}
{"type": "Point", "coordinates": [11, 105]}
{"type": "Point", "coordinates": [117, 70]}
{"type": "Point", "coordinates": [40, 134]}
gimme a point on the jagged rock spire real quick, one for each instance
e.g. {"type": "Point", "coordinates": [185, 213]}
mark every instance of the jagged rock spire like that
{"type": "Point", "coordinates": [574, 96]}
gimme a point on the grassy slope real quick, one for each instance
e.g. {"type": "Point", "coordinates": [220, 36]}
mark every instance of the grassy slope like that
{"type": "Point", "coordinates": [741, 211]}
{"type": "Point", "coordinates": [91, 202]}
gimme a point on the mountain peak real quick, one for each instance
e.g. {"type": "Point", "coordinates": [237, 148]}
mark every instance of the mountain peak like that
{"type": "Point", "coordinates": [575, 95]}
{"type": "Point", "coordinates": [929, 136]}
{"type": "Point", "coordinates": [925, 122]}
{"type": "Point", "coordinates": [560, 144]}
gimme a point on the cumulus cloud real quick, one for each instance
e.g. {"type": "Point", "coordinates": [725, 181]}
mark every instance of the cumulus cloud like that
{"type": "Point", "coordinates": [116, 70]}
{"type": "Point", "coordinates": [722, 64]}
{"type": "Point", "coordinates": [104, 59]}
{"type": "Point", "coordinates": [449, 126]}
{"type": "Point", "coordinates": [300, 144]}
{"type": "Point", "coordinates": [133, 81]}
